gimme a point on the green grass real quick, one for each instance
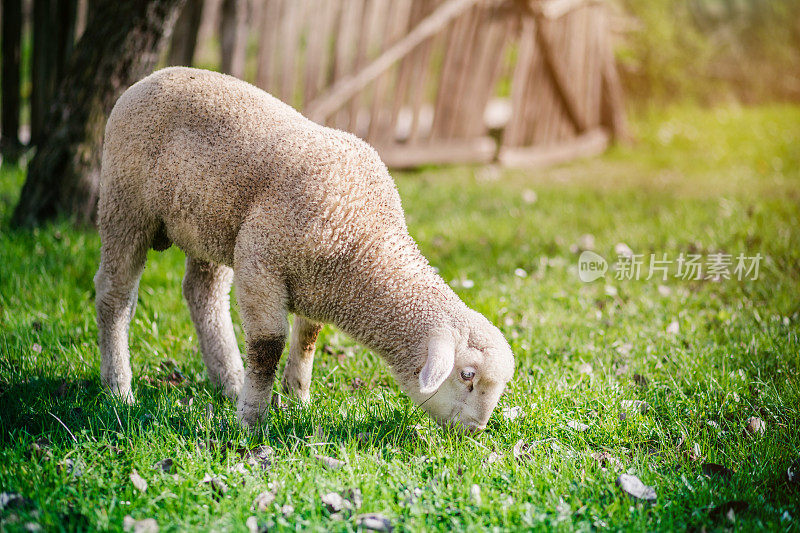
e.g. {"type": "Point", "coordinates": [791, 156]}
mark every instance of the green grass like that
{"type": "Point", "coordinates": [725, 180]}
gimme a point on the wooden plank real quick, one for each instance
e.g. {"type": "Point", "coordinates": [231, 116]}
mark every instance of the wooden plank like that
{"type": "Point", "coordinates": [290, 45]}
{"type": "Point", "coordinates": [570, 41]}
{"type": "Point", "coordinates": [390, 27]}
{"type": "Point", "coordinates": [345, 88]}
{"type": "Point", "coordinates": [541, 107]}
{"type": "Point", "coordinates": [80, 19]}
{"type": "Point", "coordinates": [475, 150]}
{"type": "Point", "coordinates": [346, 37]}
{"type": "Point", "coordinates": [328, 68]}
{"type": "Point", "coordinates": [383, 10]}
{"type": "Point", "coordinates": [613, 99]}
{"type": "Point", "coordinates": [457, 51]}
{"type": "Point", "coordinates": [268, 44]}
{"type": "Point", "coordinates": [594, 22]}
{"type": "Point", "coordinates": [612, 106]}
{"type": "Point", "coordinates": [555, 9]}
{"type": "Point", "coordinates": [447, 74]}
{"type": "Point", "coordinates": [405, 69]}
{"type": "Point", "coordinates": [550, 106]}
{"type": "Point", "coordinates": [567, 127]}
{"type": "Point", "coordinates": [345, 43]}
{"type": "Point", "coordinates": [422, 69]}
{"type": "Point", "coordinates": [587, 144]}
{"type": "Point", "coordinates": [463, 71]}
{"type": "Point", "coordinates": [552, 103]}
{"type": "Point", "coordinates": [577, 68]}
{"type": "Point", "coordinates": [486, 69]}
{"type": "Point", "coordinates": [255, 12]}
{"type": "Point", "coordinates": [559, 74]}
{"type": "Point", "coordinates": [420, 86]}
{"type": "Point", "coordinates": [395, 26]}
{"type": "Point", "coordinates": [362, 45]}
{"type": "Point", "coordinates": [317, 51]}
{"type": "Point", "coordinates": [487, 72]}
{"type": "Point", "coordinates": [543, 102]}
{"type": "Point", "coordinates": [519, 81]}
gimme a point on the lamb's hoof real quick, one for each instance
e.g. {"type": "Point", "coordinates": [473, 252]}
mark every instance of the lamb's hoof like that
{"type": "Point", "coordinates": [302, 398]}
{"type": "Point", "coordinates": [250, 415]}
{"type": "Point", "coordinates": [231, 384]}
{"type": "Point", "coordinates": [124, 394]}
{"type": "Point", "coordinates": [295, 395]}
{"type": "Point", "coordinates": [232, 390]}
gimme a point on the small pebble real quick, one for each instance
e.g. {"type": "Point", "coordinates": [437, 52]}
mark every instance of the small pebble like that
{"type": "Point", "coordinates": [755, 426]}
{"type": "Point", "coordinates": [138, 481]}
{"type": "Point", "coordinates": [374, 522]}
{"type": "Point", "coordinates": [263, 501]}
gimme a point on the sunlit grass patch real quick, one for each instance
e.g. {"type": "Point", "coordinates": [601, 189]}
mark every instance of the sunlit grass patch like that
{"type": "Point", "coordinates": [704, 356]}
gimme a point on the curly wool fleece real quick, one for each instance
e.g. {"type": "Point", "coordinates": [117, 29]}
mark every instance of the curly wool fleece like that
{"type": "Point", "coordinates": [309, 221]}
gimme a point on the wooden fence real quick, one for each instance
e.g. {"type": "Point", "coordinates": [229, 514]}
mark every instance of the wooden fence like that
{"type": "Point", "coordinates": [523, 82]}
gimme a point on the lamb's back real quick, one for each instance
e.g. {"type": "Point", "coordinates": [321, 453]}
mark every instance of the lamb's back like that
{"type": "Point", "coordinates": [215, 150]}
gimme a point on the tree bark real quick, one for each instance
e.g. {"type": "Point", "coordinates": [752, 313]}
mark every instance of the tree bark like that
{"type": "Point", "coordinates": [12, 38]}
{"type": "Point", "coordinates": [184, 36]}
{"type": "Point", "coordinates": [53, 41]}
{"type": "Point", "coordinates": [233, 36]}
{"type": "Point", "coordinates": [121, 44]}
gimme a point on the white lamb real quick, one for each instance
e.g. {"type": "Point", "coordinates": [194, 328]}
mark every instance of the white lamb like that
{"type": "Point", "coordinates": [306, 220]}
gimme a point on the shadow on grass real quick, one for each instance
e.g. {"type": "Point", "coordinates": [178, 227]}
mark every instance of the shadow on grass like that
{"type": "Point", "coordinates": [62, 410]}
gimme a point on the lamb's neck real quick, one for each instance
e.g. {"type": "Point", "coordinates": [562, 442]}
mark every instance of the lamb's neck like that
{"type": "Point", "coordinates": [398, 306]}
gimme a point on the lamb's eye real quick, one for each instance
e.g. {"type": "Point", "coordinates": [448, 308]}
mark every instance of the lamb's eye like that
{"type": "Point", "coordinates": [467, 375]}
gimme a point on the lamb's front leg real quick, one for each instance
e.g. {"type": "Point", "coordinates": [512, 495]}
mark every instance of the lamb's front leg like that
{"type": "Point", "coordinates": [263, 355]}
{"type": "Point", "coordinates": [297, 374]}
{"type": "Point", "coordinates": [262, 300]}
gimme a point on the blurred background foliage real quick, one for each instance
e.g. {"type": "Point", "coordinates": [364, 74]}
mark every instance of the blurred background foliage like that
{"type": "Point", "coordinates": [709, 51]}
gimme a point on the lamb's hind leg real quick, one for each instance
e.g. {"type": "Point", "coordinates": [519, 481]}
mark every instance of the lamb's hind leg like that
{"type": "Point", "coordinates": [297, 374]}
{"type": "Point", "coordinates": [122, 257]}
{"type": "Point", "coordinates": [207, 287]}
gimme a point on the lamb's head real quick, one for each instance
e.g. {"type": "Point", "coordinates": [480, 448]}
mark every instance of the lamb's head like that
{"type": "Point", "coordinates": [465, 370]}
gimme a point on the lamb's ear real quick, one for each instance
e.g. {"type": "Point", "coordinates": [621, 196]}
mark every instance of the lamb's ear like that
{"type": "Point", "coordinates": [441, 358]}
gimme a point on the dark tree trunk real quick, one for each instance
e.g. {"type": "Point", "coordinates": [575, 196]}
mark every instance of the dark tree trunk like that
{"type": "Point", "coordinates": [233, 36]}
{"type": "Point", "coordinates": [120, 45]}
{"type": "Point", "coordinates": [184, 36]}
{"type": "Point", "coordinates": [53, 40]}
{"type": "Point", "coordinates": [12, 37]}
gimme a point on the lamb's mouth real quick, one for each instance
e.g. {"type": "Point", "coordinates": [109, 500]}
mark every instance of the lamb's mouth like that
{"type": "Point", "coordinates": [462, 427]}
{"type": "Point", "coordinates": [452, 422]}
